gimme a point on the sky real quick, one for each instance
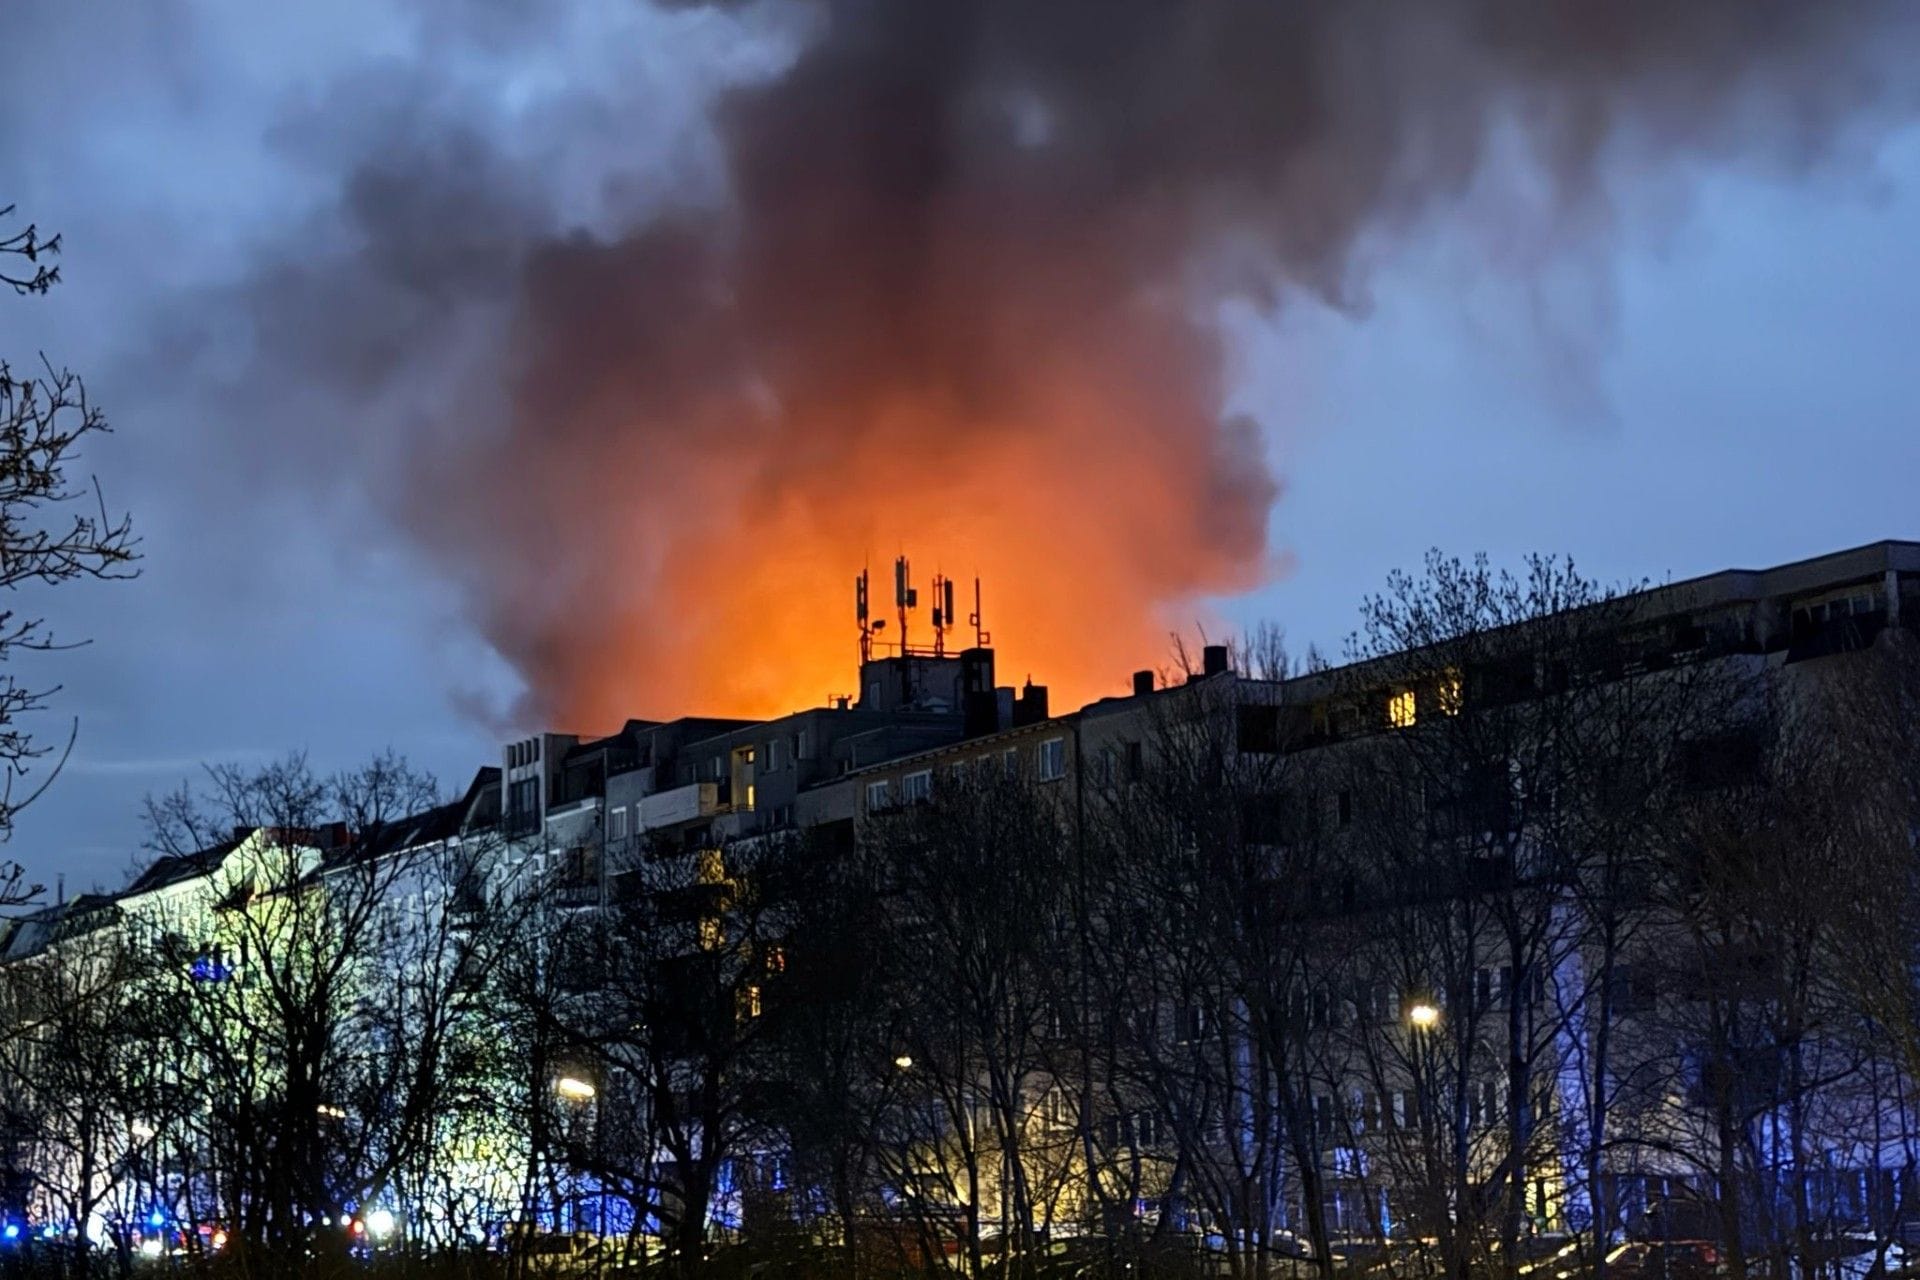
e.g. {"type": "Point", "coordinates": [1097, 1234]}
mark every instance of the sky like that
{"type": "Point", "coordinates": [1708, 364]}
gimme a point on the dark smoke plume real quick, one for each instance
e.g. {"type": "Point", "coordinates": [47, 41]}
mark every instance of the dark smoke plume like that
{"type": "Point", "coordinates": [949, 286]}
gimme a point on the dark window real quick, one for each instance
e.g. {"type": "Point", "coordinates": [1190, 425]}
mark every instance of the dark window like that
{"type": "Point", "coordinates": [1259, 729]}
{"type": "Point", "coordinates": [1724, 760]}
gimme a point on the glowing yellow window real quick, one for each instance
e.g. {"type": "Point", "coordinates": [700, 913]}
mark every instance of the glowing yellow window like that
{"type": "Point", "coordinates": [712, 868]}
{"type": "Point", "coordinates": [710, 935]}
{"type": "Point", "coordinates": [1400, 708]}
{"type": "Point", "coordinates": [748, 1003]}
{"type": "Point", "coordinates": [1446, 693]}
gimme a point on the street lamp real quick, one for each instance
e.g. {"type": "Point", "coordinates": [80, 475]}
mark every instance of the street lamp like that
{"type": "Point", "coordinates": [904, 1062]}
{"type": "Point", "coordinates": [574, 1089]}
{"type": "Point", "coordinates": [1424, 1016]}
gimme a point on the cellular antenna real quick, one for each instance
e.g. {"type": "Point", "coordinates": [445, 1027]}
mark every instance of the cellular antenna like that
{"type": "Point", "coordinates": [863, 615]}
{"type": "Point", "coordinates": [981, 636]}
{"type": "Point", "coordinates": [943, 615]}
{"type": "Point", "coordinates": [904, 596]}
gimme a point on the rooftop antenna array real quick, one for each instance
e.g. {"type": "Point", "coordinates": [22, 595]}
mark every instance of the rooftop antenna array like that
{"type": "Point", "coordinates": [906, 598]}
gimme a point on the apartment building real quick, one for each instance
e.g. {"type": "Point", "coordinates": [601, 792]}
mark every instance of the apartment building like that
{"type": "Point", "coordinates": [571, 820]}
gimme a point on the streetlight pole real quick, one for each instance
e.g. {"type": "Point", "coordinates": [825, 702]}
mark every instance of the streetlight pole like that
{"type": "Point", "coordinates": [1423, 1015]}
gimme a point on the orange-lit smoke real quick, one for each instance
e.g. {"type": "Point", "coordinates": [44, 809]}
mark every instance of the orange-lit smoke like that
{"type": "Point", "coordinates": [958, 300]}
{"type": "Point", "coordinates": [1084, 477]}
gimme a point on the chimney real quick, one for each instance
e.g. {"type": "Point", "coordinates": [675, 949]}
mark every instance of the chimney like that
{"type": "Point", "coordinates": [1213, 660]}
{"type": "Point", "coordinates": [1032, 707]}
{"type": "Point", "coordinates": [1142, 683]}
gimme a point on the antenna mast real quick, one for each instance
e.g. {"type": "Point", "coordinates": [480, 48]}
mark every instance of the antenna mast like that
{"type": "Point", "coordinates": [861, 613]}
{"type": "Point", "coordinates": [943, 615]}
{"type": "Point", "coordinates": [981, 636]}
{"type": "Point", "coordinates": [904, 596]}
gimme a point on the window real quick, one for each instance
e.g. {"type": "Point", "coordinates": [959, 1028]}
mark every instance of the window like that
{"type": "Point", "coordinates": [1401, 710]}
{"type": "Point", "coordinates": [776, 959]}
{"type": "Point", "coordinates": [1053, 760]}
{"type": "Point", "coordinates": [617, 824]}
{"type": "Point", "coordinates": [1057, 1109]}
{"type": "Point", "coordinates": [747, 1003]}
{"type": "Point", "coordinates": [710, 867]}
{"type": "Point", "coordinates": [1447, 697]}
{"type": "Point", "coordinates": [1189, 1023]}
{"type": "Point", "coordinates": [1010, 762]}
{"type": "Point", "coordinates": [803, 745]}
{"type": "Point", "coordinates": [775, 749]}
{"type": "Point", "coordinates": [1133, 1132]}
{"type": "Point", "coordinates": [879, 796]}
{"type": "Point", "coordinates": [917, 788]}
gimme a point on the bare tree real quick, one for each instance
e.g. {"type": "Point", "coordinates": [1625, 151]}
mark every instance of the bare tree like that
{"type": "Point", "coordinates": [84, 1098]}
{"type": "Point", "coordinates": [318, 1062]}
{"type": "Point", "coordinates": [52, 529]}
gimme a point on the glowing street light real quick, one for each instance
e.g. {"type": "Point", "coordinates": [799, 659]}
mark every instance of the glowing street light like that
{"type": "Point", "coordinates": [380, 1224]}
{"type": "Point", "coordinates": [904, 1062]}
{"type": "Point", "coordinates": [1423, 1016]}
{"type": "Point", "coordinates": [574, 1089]}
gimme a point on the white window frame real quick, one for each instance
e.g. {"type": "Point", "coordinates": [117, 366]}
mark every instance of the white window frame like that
{"type": "Point", "coordinates": [879, 796]}
{"type": "Point", "coordinates": [1050, 760]}
{"type": "Point", "coordinates": [917, 787]}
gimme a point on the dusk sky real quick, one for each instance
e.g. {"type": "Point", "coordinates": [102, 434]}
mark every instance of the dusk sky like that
{"type": "Point", "coordinates": [1702, 357]}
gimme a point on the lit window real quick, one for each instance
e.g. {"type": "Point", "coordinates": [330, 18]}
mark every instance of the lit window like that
{"type": "Point", "coordinates": [712, 868]}
{"type": "Point", "coordinates": [748, 1002]}
{"type": "Point", "coordinates": [1446, 693]}
{"type": "Point", "coordinates": [776, 959]}
{"type": "Point", "coordinates": [1052, 760]}
{"type": "Point", "coordinates": [879, 796]}
{"type": "Point", "coordinates": [917, 788]}
{"type": "Point", "coordinates": [710, 935]}
{"type": "Point", "coordinates": [1400, 708]}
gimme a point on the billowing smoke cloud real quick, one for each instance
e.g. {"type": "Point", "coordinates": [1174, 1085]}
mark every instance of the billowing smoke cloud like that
{"type": "Point", "coordinates": [942, 278]}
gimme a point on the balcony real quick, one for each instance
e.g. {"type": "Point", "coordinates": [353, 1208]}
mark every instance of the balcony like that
{"type": "Point", "coordinates": [690, 803]}
{"type": "Point", "coordinates": [574, 892]}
